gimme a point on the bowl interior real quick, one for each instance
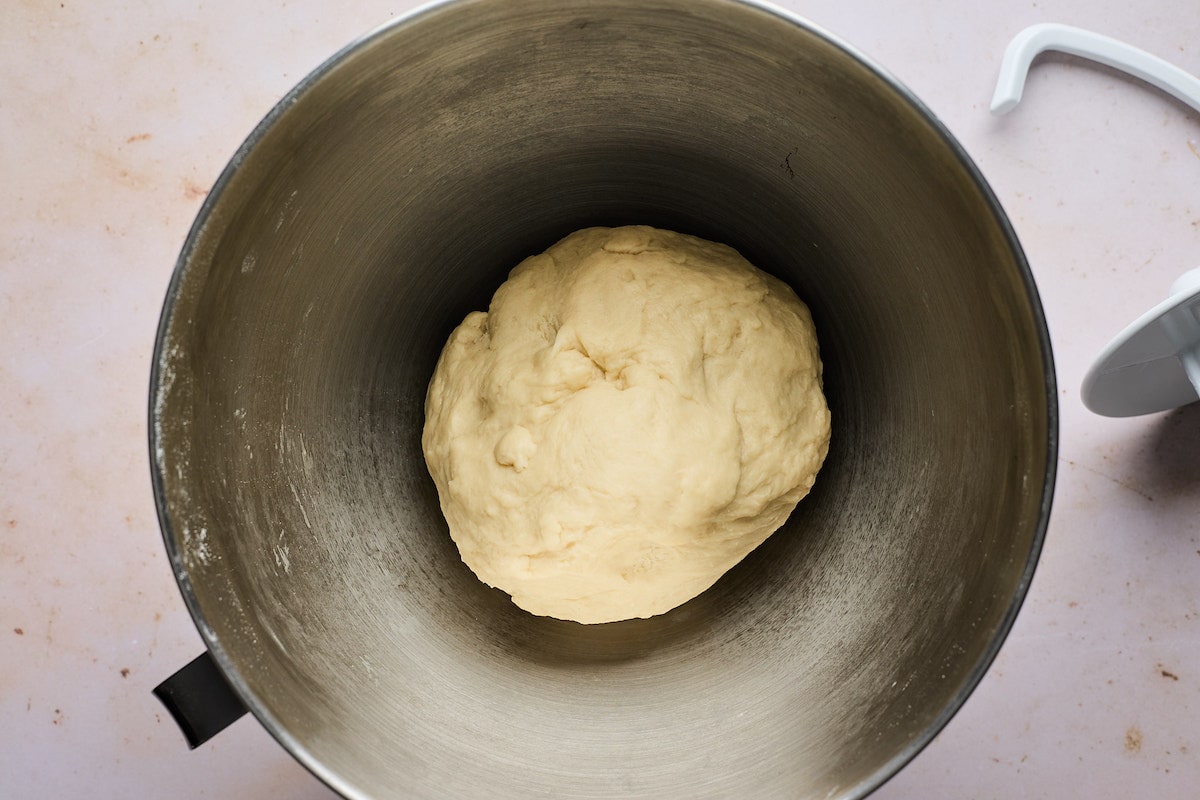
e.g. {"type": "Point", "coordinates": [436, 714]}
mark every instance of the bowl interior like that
{"type": "Point", "coordinates": [388, 197]}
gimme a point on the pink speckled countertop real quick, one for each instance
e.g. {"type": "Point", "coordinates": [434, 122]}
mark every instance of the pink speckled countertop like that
{"type": "Point", "coordinates": [115, 118]}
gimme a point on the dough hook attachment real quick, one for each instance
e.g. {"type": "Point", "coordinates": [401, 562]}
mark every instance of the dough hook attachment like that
{"type": "Point", "coordinates": [1038, 39]}
{"type": "Point", "coordinates": [1154, 364]}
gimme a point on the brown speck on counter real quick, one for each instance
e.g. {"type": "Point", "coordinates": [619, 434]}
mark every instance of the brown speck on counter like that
{"type": "Point", "coordinates": [1119, 482]}
{"type": "Point", "coordinates": [58, 716]}
{"type": "Point", "coordinates": [137, 137]}
{"type": "Point", "coordinates": [193, 191]}
{"type": "Point", "coordinates": [12, 523]}
{"type": "Point", "coordinates": [1168, 674]}
{"type": "Point", "coordinates": [1133, 739]}
{"type": "Point", "coordinates": [1073, 604]}
{"type": "Point", "coordinates": [157, 616]}
{"type": "Point", "coordinates": [124, 672]}
{"type": "Point", "coordinates": [19, 631]}
{"type": "Point", "coordinates": [1193, 148]}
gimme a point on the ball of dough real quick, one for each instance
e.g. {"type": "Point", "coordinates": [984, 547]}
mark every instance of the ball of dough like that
{"type": "Point", "coordinates": [637, 410]}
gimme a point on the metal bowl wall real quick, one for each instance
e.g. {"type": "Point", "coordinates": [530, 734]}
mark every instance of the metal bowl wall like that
{"type": "Point", "coordinates": [389, 195]}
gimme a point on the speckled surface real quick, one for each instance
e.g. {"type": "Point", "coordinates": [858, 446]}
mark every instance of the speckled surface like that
{"type": "Point", "coordinates": [115, 118]}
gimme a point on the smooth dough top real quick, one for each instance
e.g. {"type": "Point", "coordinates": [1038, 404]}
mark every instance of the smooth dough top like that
{"type": "Point", "coordinates": [637, 410]}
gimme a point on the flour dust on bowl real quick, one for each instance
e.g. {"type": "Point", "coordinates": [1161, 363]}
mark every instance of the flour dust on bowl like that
{"type": "Point", "coordinates": [387, 197]}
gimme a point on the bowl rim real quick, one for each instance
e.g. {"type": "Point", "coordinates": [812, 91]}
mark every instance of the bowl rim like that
{"type": "Point", "coordinates": [340, 784]}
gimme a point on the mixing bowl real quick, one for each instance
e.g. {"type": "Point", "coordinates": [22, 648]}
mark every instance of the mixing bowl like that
{"type": "Point", "coordinates": [386, 197]}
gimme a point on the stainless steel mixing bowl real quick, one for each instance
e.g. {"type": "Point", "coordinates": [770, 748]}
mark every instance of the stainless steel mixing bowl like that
{"type": "Point", "coordinates": [386, 197]}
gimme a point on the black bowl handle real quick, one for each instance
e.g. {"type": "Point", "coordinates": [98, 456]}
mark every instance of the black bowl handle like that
{"type": "Point", "coordinates": [201, 700]}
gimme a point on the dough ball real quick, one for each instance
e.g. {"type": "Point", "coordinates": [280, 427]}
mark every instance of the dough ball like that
{"type": "Point", "coordinates": [637, 410]}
